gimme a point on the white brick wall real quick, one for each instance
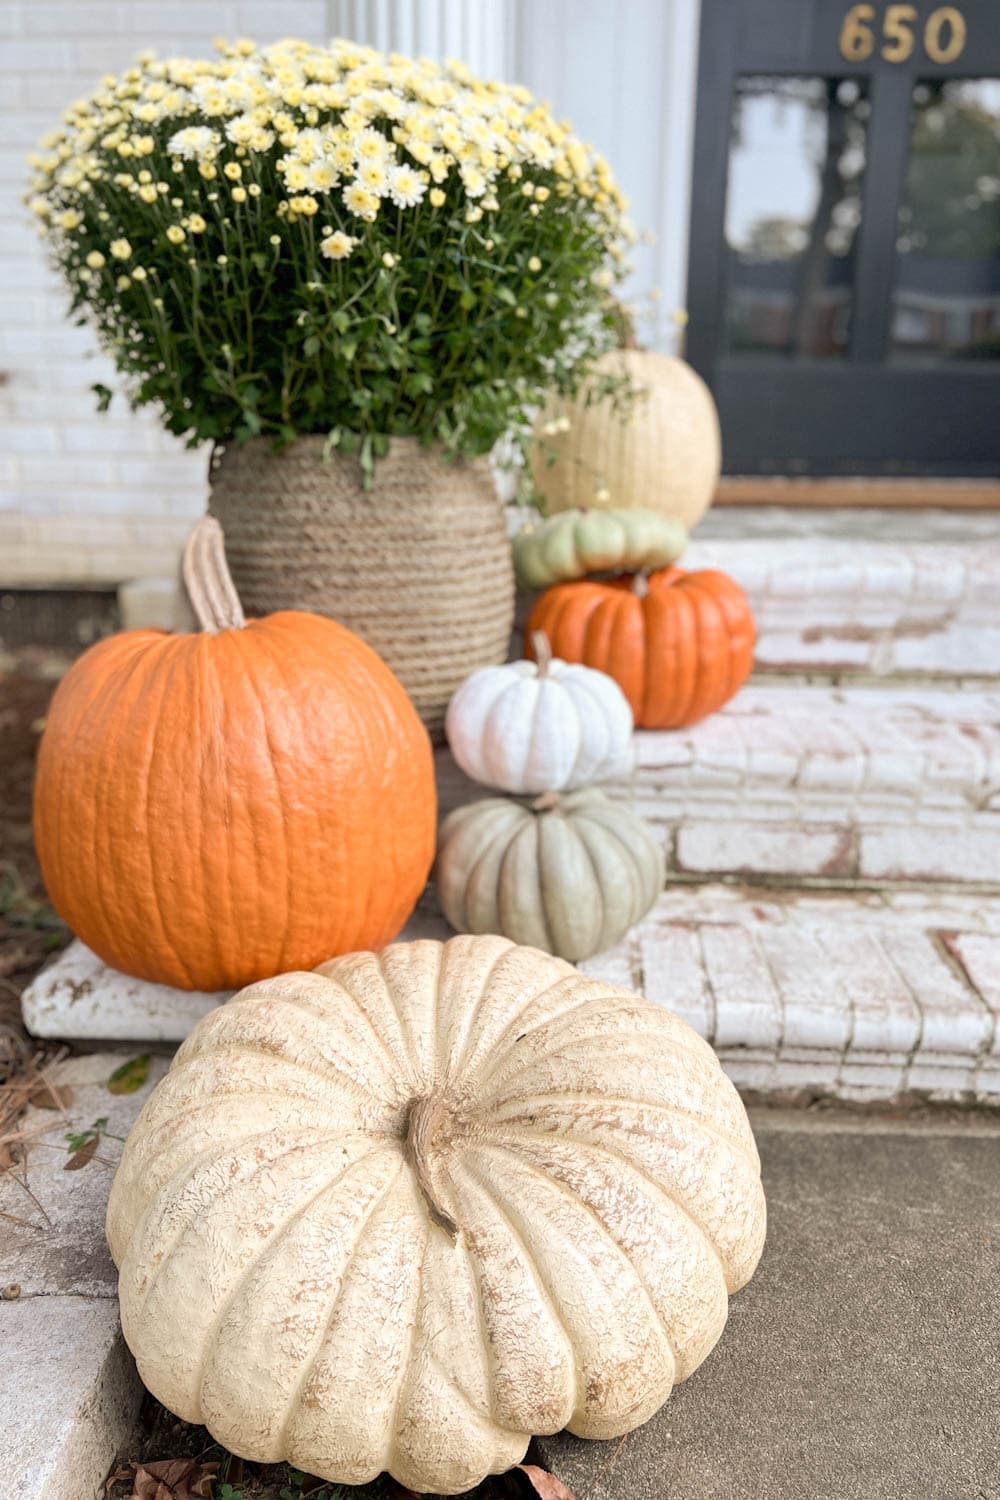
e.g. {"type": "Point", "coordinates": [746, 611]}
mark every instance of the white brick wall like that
{"type": "Point", "coordinates": [86, 497]}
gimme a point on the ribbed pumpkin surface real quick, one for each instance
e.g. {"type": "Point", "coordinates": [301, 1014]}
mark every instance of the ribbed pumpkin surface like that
{"type": "Point", "coordinates": [405, 1211]}
{"type": "Point", "coordinates": [211, 809]}
{"type": "Point", "coordinates": [678, 649]}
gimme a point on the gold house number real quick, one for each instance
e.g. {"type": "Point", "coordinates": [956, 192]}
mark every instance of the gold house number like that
{"type": "Point", "coordinates": [944, 33]}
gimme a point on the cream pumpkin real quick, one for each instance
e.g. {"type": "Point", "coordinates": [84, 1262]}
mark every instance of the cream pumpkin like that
{"type": "Point", "coordinates": [540, 726]}
{"type": "Point", "coordinates": [569, 873]}
{"type": "Point", "coordinates": [661, 451]}
{"type": "Point", "coordinates": [405, 1211]}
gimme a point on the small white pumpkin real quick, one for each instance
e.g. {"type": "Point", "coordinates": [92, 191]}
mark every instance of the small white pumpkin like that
{"type": "Point", "coordinates": [404, 1212]}
{"type": "Point", "coordinates": [540, 726]}
{"type": "Point", "coordinates": [569, 873]}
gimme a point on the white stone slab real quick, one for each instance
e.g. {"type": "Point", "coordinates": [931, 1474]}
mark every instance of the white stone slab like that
{"type": "Point", "coordinates": [79, 997]}
{"type": "Point", "coordinates": [70, 1392]}
{"type": "Point", "coordinates": [52, 1243]}
{"type": "Point", "coordinates": [71, 1396]}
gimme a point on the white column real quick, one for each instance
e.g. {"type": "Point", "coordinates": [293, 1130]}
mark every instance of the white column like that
{"type": "Point", "coordinates": [478, 32]}
{"type": "Point", "coordinates": [624, 74]}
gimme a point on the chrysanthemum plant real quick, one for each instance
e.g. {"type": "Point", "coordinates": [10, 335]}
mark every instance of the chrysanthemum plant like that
{"type": "Point", "coordinates": [299, 239]}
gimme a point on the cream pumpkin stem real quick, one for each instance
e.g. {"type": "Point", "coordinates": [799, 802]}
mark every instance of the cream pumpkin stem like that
{"type": "Point", "coordinates": [425, 1124]}
{"type": "Point", "coordinates": [640, 585]}
{"type": "Point", "coordinates": [547, 802]}
{"type": "Point", "coordinates": [543, 651]}
{"type": "Point", "coordinates": [207, 579]}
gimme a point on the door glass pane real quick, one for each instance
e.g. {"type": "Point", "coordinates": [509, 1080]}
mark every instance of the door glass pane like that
{"type": "Point", "coordinates": [793, 203]}
{"type": "Point", "coordinates": [946, 302]}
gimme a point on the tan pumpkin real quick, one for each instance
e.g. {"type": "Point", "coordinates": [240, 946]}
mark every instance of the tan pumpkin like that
{"type": "Point", "coordinates": [404, 1212]}
{"type": "Point", "coordinates": [567, 873]}
{"type": "Point", "coordinates": [661, 451]}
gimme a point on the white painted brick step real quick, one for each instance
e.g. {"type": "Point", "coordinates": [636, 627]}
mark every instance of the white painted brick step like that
{"type": "Point", "coordinates": [863, 591]}
{"type": "Point", "coordinates": [861, 995]}
{"type": "Point", "coordinates": [859, 782]}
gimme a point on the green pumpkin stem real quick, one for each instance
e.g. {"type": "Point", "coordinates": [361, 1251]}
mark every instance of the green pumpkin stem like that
{"type": "Point", "coordinates": [208, 581]}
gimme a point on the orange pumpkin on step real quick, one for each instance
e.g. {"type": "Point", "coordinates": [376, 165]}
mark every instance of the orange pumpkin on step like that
{"type": "Point", "coordinates": [679, 644]}
{"type": "Point", "coordinates": [215, 808]}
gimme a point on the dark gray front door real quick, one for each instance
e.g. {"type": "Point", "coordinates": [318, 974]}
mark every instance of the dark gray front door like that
{"type": "Point", "coordinates": [844, 282]}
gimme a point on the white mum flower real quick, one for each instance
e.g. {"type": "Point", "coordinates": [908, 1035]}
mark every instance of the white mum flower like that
{"type": "Point", "coordinates": [370, 145]}
{"type": "Point", "coordinates": [194, 141]}
{"type": "Point", "coordinates": [473, 181]}
{"type": "Point", "coordinates": [405, 187]}
{"type": "Point", "coordinates": [322, 176]}
{"type": "Point", "coordinates": [337, 246]}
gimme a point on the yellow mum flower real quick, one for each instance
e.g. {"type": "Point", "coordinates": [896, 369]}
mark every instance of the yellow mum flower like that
{"type": "Point", "coordinates": [196, 224]}
{"type": "Point", "coordinates": [70, 219]}
{"type": "Point", "coordinates": [233, 171]}
{"type": "Point", "coordinates": [176, 235]}
{"type": "Point", "coordinates": [436, 197]}
{"type": "Point", "coordinates": [239, 195]}
{"type": "Point", "coordinates": [95, 260]}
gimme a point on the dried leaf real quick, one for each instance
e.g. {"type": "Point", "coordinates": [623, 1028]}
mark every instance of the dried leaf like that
{"type": "Point", "coordinates": [545, 1484]}
{"type": "Point", "coordinates": [46, 1095]}
{"type": "Point", "coordinates": [82, 1155]}
{"type": "Point", "coordinates": [130, 1076]}
{"type": "Point", "coordinates": [174, 1479]}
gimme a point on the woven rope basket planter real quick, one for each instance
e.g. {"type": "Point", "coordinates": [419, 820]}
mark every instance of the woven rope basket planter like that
{"type": "Point", "coordinates": [419, 565]}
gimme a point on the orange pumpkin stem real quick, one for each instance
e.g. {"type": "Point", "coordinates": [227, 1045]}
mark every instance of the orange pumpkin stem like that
{"type": "Point", "coordinates": [542, 651]}
{"type": "Point", "coordinates": [208, 581]}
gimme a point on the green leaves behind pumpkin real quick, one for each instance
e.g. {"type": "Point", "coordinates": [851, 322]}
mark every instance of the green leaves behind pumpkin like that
{"type": "Point", "coordinates": [82, 1144]}
{"type": "Point", "coordinates": [131, 1076]}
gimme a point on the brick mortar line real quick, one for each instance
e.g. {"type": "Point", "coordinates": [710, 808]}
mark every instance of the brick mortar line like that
{"type": "Point", "coordinates": [939, 937]}
{"type": "Point", "coordinates": [896, 682]}
{"type": "Point", "coordinates": [751, 880]}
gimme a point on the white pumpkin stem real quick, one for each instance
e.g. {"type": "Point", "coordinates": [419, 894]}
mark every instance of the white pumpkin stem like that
{"type": "Point", "coordinates": [543, 651]}
{"type": "Point", "coordinates": [207, 579]}
{"type": "Point", "coordinates": [547, 802]}
{"type": "Point", "coordinates": [640, 585]}
{"type": "Point", "coordinates": [426, 1120]}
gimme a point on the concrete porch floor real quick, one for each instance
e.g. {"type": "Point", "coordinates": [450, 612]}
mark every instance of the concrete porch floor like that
{"type": "Point", "coordinates": [862, 1362]}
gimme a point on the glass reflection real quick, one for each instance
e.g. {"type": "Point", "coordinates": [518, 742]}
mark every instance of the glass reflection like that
{"type": "Point", "coordinates": [947, 295]}
{"type": "Point", "coordinates": [793, 205]}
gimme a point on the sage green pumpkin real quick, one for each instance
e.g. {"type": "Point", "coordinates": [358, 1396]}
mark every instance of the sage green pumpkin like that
{"type": "Point", "coordinates": [568, 873]}
{"type": "Point", "coordinates": [577, 542]}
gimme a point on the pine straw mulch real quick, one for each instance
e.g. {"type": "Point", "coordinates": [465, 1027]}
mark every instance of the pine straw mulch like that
{"type": "Point", "coordinates": [30, 931]}
{"type": "Point", "coordinates": [200, 1469]}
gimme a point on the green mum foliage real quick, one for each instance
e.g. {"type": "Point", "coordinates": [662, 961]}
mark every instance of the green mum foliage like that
{"type": "Point", "coordinates": [298, 239]}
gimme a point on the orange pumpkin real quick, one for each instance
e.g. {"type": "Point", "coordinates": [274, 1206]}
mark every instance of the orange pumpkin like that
{"type": "Point", "coordinates": [678, 644]}
{"type": "Point", "coordinates": [215, 808]}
